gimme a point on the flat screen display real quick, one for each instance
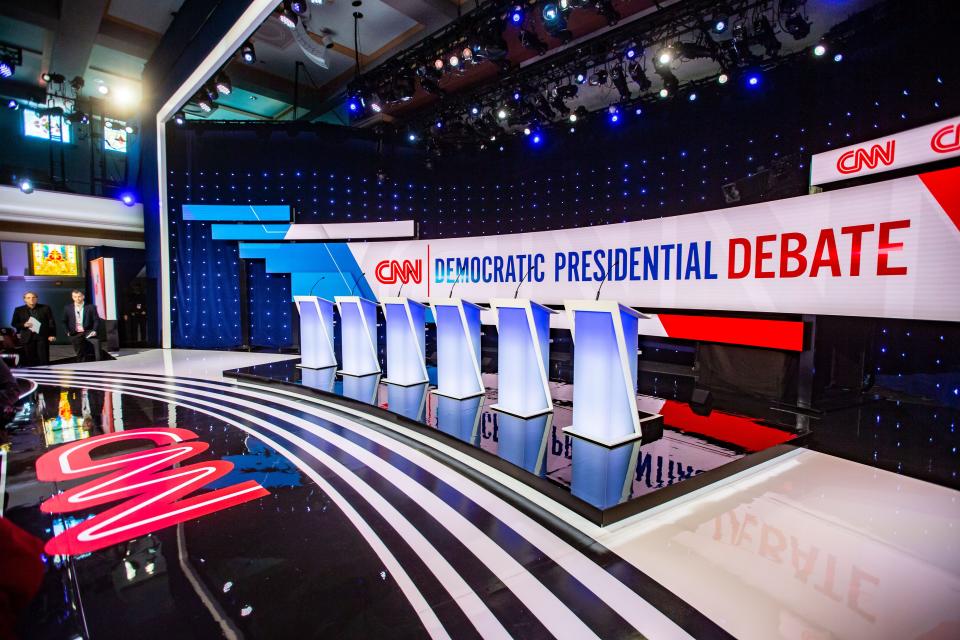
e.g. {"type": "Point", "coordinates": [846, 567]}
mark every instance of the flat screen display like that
{"type": "Point", "coordinates": [53, 259]}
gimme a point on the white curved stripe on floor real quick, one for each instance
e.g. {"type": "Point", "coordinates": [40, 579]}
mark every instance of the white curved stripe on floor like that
{"type": "Point", "coordinates": [554, 615]}
{"type": "Point", "coordinates": [423, 610]}
{"type": "Point", "coordinates": [628, 604]}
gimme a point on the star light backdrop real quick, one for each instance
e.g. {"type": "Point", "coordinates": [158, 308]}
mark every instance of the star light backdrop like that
{"type": "Point", "coordinates": [671, 159]}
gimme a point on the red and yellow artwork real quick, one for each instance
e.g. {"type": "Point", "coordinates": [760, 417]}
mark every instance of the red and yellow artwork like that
{"type": "Point", "coordinates": [54, 259]}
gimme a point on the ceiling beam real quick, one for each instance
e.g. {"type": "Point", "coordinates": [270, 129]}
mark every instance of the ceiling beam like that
{"type": "Point", "coordinates": [74, 39]}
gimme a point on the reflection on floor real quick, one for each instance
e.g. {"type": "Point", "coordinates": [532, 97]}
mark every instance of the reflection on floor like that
{"type": "Point", "coordinates": [363, 532]}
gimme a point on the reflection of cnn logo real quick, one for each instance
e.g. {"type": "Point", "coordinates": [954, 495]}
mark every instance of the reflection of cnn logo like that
{"type": "Point", "coordinates": [946, 140]}
{"type": "Point", "coordinates": [858, 159]}
{"type": "Point", "coordinates": [389, 271]}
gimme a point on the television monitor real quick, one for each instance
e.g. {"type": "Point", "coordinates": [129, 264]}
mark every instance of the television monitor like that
{"type": "Point", "coordinates": [53, 259]}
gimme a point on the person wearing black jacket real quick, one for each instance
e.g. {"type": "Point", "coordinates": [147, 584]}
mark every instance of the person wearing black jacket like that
{"type": "Point", "coordinates": [80, 321]}
{"type": "Point", "coordinates": [36, 343]}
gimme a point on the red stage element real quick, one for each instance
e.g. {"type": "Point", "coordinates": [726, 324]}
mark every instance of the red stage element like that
{"type": "Point", "coordinates": [146, 480]}
{"type": "Point", "coordinates": [944, 186]}
{"type": "Point", "coordinates": [741, 431]}
{"type": "Point", "coordinates": [771, 334]}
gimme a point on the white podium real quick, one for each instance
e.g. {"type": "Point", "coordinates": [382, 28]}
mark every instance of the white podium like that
{"type": "Point", "coordinates": [361, 388]}
{"type": "Point", "coordinates": [406, 362]}
{"type": "Point", "coordinates": [460, 418]}
{"type": "Point", "coordinates": [603, 476]}
{"type": "Point", "coordinates": [604, 336]}
{"type": "Point", "coordinates": [316, 332]}
{"type": "Point", "coordinates": [358, 336]}
{"type": "Point", "coordinates": [322, 379]}
{"type": "Point", "coordinates": [523, 354]}
{"type": "Point", "coordinates": [408, 401]}
{"type": "Point", "coordinates": [523, 441]}
{"type": "Point", "coordinates": [458, 348]}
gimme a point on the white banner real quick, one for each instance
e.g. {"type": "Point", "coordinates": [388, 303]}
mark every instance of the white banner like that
{"type": "Point", "coordinates": [905, 149]}
{"type": "Point", "coordinates": [890, 249]}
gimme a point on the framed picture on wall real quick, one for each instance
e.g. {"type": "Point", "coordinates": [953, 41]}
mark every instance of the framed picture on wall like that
{"type": "Point", "coordinates": [53, 259]}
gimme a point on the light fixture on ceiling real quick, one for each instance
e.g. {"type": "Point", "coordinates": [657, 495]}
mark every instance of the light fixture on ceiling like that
{"type": "Point", "coordinates": [223, 84]}
{"type": "Point", "coordinates": [103, 89]}
{"type": "Point", "coordinates": [248, 53]}
{"type": "Point", "coordinates": [180, 117]}
{"type": "Point", "coordinates": [25, 185]}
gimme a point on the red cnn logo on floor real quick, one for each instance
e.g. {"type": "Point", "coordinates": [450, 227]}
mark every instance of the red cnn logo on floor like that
{"type": "Point", "coordinates": [858, 159]}
{"type": "Point", "coordinates": [389, 271]}
{"type": "Point", "coordinates": [146, 482]}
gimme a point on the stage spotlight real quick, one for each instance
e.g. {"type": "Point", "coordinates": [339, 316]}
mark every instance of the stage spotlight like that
{"type": "Point", "coordinates": [453, 61]}
{"type": "Point", "coordinates": [53, 78]}
{"type": "Point", "coordinates": [128, 199]}
{"type": "Point", "coordinates": [516, 15]}
{"type": "Point", "coordinates": [8, 67]}
{"type": "Point", "coordinates": [598, 78]}
{"type": "Point", "coordinates": [605, 9]}
{"type": "Point", "coordinates": [620, 81]}
{"type": "Point", "coordinates": [412, 137]}
{"type": "Point", "coordinates": [838, 57]}
{"type": "Point", "coordinates": [692, 97]}
{"type": "Point", "coordinates": [287, 16]}
{"type": "Point", "coordinates": [719, 25]}
{"type": "Point", "coordinates": [204, 103]}
{"type": "Point", "coordinates": [474, 110]}
{"type": "Point", "coordinates": [103, 89]}
{"type": "Point", "coordinates": [180, 117]}
{"type": "Point", "coordinates": [797, 27]}
{"type": "Point", "coordinates": [438, 124]}
{"type": "Point", "coordinates": [537, 138]}
{"type": "Point", "coordinates": [580, 78]}
{"type": "Point", "coordinates": [376, 105]}
{"type": "Point", "coordinates": [223, 84]}
{"type": "Point", "coordinates": [632, 51]}
{"type": "Point", "coordinates": [764, 36]}
{"type": "Point", "coordinates": [670, 81]}
{"type": "Point", "coordinates": [530, 40]}
{"type": "Point", "coordinates": [526, 131]}
{"type": "Point", "coordinates": [820, 50]}
{"type": "Point", "coordinates": [753, 80]}
{"type": "Point", "coordinates": [25, 185]}
{"type": "Point", "coordinates": [573, 117]}
{"type": "Point", "coordinates": [639, 75]}
{"type": "Point", "coordinates": [550, 13]}
{"type": "Point", "coordinates": [501, 114]}
{"type": "Point", "coordinates": [299, 7]}
{"type": "Point", "coordinates": [723, 78]}
{"type": "Point", "coordinates": [666, 55]}
{"type": "Point", "coordinates": [13, 104]}
{"type": "Point", "coordinates": [354, 105]}
{"type": "Point", "coordinates": [248, 53]}
{"type": "Point", "coordinates": [613, 114]}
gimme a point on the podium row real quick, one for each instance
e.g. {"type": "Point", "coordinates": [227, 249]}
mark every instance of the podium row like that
{"type": "Point", "coordinates": [604, 364]}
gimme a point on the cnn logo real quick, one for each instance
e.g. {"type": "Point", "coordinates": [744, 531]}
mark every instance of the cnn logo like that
{"type": "Point", "coordinates": [407, 271]}
{"type": "Point", "coordinates": [946, 140]}
{"type": "Point", "coordinates": [859, 159]}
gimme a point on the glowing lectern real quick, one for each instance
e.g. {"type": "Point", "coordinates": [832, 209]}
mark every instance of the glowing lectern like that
{"type": "Point", "coordinates": [406, 364]}
{"type": "Point", "coordinates": [358, 336]}
{"type": "Point", "coordinates": [316, 332]}
{"type": "Point", "coordinates": [458, 348]}
{"type": "Point", "coordinates": [604, 336]}
{"type": "Point", "coordinates": [523, 354]}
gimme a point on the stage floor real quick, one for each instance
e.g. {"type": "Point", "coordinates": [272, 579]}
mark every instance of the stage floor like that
{"type": "Point", "coordinates": [362, 534]}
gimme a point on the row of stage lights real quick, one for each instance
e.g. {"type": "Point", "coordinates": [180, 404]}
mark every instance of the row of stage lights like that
{"type": "Point", "coordinates": [205, 100]}
{"type": "Point", "coordinates": [726, 38]}
{"type": "Point", "coordinates": [26, 186]}
{"type": "Point", "coordinates": [535, 113]}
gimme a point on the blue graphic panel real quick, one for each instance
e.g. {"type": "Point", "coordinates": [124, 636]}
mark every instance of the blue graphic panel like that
{"type": "Point", "coordinates": [249, 231]}
{"type": "Point", "coordinates": [236, 212]}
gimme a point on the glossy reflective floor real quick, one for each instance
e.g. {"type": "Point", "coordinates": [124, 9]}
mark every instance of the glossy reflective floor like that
{"type": "Point", "coordinates": [367, 532]}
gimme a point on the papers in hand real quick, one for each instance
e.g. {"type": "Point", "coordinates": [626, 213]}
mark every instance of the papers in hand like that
{"type": "Point", "coordinates": [33, 325]}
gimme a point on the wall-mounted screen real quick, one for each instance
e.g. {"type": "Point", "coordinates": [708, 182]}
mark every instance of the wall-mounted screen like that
{"type": "Point", "coordinates": [53, 259]}
{"type": "Point", "coordinates": [37, 126]}
{"type": "Point", "coordinates": [115, 139]}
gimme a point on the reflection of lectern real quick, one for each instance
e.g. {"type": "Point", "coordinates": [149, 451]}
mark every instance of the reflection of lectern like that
{"type": "Point", "coordinates": [460, 418]}
{"type": "Point", "coordinates": [362, 388]}
{"type": "Point", "coordinates": [409, 402]}
{"type": "Point", "coordinates": [604, 371]}
{"type": "Point", "coordinates": [603, 476]}
{"type": "Point", "coordinates": [523, 353]}
{"type": "Point", "coordinates": [316, 332]}
{"type": "Point", "coordinates": [358, 336]}
{"type": "Point", "coordinates": [458, 348]}
{"type": "Point", "coordinates": [523, 441]}
{"type": "Point", "coordinates": [406, 364]}
{"type": "Point", "coordinates": [321, 379]}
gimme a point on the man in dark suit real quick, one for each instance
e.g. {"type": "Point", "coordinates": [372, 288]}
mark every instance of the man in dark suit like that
{"type": "Point", "coordinates": [36, 328]}
{"type": "Point", "coordinates": [81, 321]}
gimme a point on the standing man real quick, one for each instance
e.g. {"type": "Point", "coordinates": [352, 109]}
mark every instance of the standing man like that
{"type": "Point", "coordinates": [34, 322]}
{"type": "Point", "coordinates": [81, 323]}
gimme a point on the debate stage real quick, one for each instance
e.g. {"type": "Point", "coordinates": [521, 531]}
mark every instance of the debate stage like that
{"type": "Point", "coordinates": [411, 526]}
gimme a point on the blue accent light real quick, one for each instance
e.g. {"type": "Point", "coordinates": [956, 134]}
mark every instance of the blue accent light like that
{"type": "Point", "coordinates": [550, 13]}
{"type": "Point", "coordinates": [128, 199]}
{"type": "Point", "coordinates": [516, 16]}
{"type": "Point", "coordinates": [753, 80]}
{"type": "Point", "coordinates": [838, 57]}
